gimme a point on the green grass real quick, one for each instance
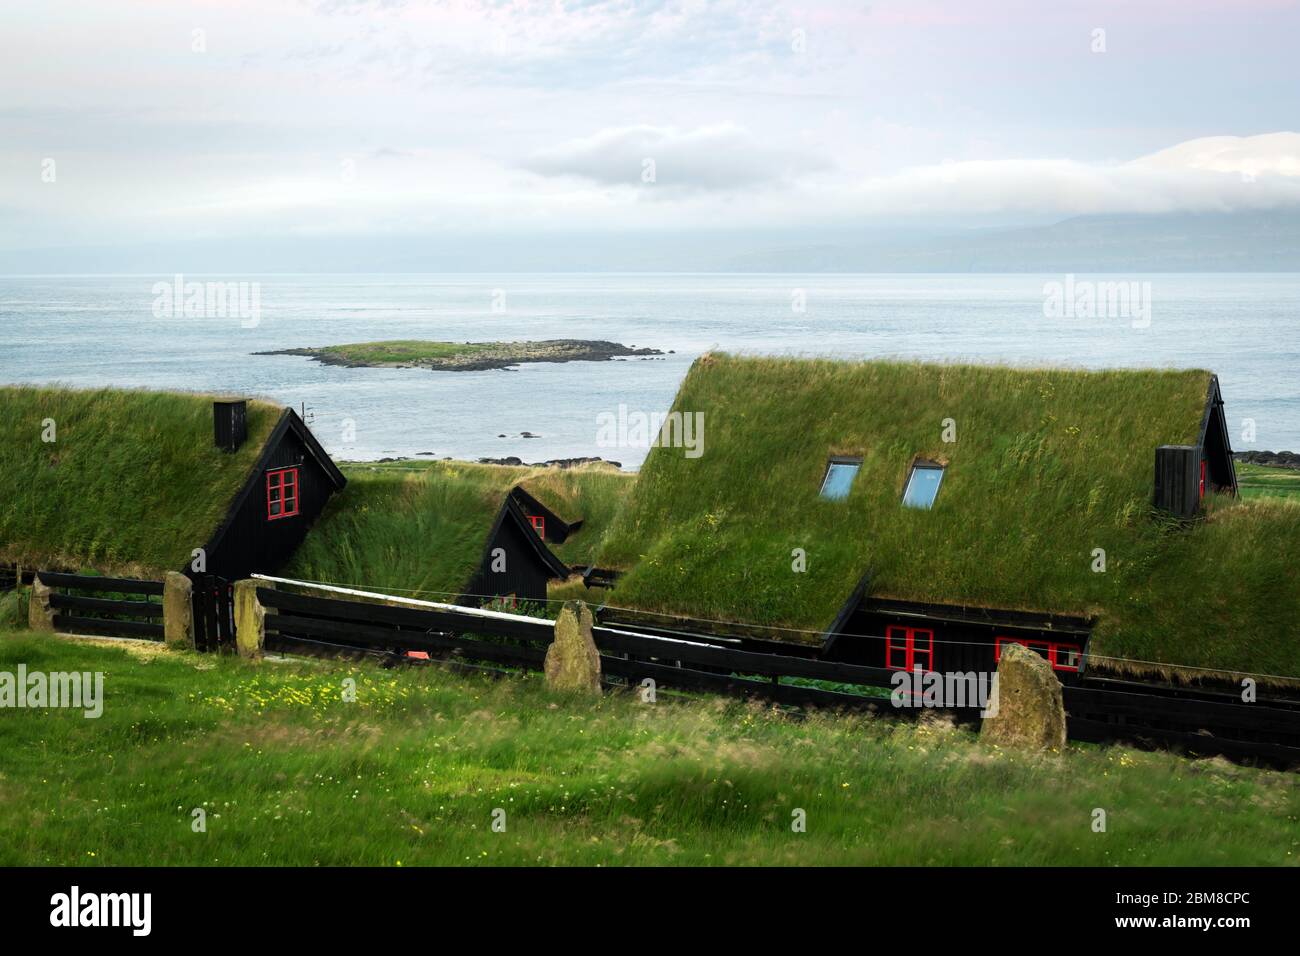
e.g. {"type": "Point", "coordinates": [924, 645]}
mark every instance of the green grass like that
{"type": "Point", "coordinates": [1260, 481]}
{"type": "Point", "coordinates": [132, 483]}
{"type": "Point", "coordinates": [1048, 466]}
{"type": "Point", "coordinates": [419, 528]}
{"type": "Point", "coordinates": [404, 351]}
{"type": "Point", "coordinates": [410, 773]}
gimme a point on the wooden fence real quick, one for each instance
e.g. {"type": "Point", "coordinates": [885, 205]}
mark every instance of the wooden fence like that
{"type": "Point", "coordinates": [1200, 723]}
{"type": "Point", "coordinates": [1266, 732]}
{"type": "Point", "coordinates": [136, 616]}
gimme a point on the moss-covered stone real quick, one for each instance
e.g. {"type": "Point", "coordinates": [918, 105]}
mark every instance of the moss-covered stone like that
{"type": "Point", "coordinates": [250, 620]}
{"type": "Point", "coordinates": [572, 660]}
{"type": "Point", "coordinates": [1030, 710]}
{"type": "Point", "coordinates": [178, 610]}
{"type": "Point", "coordinates": [40, 616]}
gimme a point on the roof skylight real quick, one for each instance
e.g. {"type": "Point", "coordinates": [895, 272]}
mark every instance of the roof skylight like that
{"type": "Point", "coordinates": [839, 477]}
{"type": "Point", "coordinates": [923, 484]}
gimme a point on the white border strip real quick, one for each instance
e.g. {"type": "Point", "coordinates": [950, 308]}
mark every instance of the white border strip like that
{"type": "Point", "coordinates": [459, 609]}
{"type": "Point", "coordinates": [411, 602]}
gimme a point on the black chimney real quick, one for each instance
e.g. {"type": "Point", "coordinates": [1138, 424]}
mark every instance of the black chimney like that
{"type": "Point", "coordinates": [230, 424]}
{"type": "Point", "coordinates": [1178, 479]}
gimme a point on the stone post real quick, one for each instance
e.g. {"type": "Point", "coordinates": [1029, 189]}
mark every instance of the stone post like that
{"type": "Point", "coordinates": [40, 616]}
{"type": "Point", "coordinates": [572, 660]}
{"type": "Point", "coordinates": [250, 619]}
{"type": "Point", "coordinates": [1030, 710]}
{"type": "Point", "coordinates": [178, 610]}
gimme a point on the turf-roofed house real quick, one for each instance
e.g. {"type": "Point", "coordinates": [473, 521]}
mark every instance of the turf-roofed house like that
{"type": "Point", "coordinates": [470, 533]}
{"type": "Point", "coordinates": [136, 483]}
{"type": "Point", "coordinates": [909, 515]}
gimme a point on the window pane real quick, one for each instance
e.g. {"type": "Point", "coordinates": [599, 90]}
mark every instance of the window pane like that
{"type": "Point", "coordinates": [839, 479]}
{"type": "Point", "coordinates": [922, 486]}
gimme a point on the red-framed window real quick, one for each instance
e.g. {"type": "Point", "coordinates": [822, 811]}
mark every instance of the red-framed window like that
{"type": "Point", "coordinates": [1062, 656]}
{"type": "Point", "coordinates": [1202, 477]}
{"type": "Point", "coordinates": [907, 648]}
{"type": "Point", "coordinates": [281, 493]}
{"type": "Point", "coordinates": [539, 525]}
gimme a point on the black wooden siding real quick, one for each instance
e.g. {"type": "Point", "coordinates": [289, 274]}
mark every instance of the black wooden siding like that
{"type": "Point", "coordinates": [959, 646]}
{"type": "Point", "coordinates": [249, 542]}
{"type": "Point", "coordinates": [529, 563]}
{"type": "Point", "coordinates": [525, 576]}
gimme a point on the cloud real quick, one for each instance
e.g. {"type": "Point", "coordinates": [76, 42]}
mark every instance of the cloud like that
{"type": "Point", "coordinates": [1214, 174]}
{"type": "Point", "coordinates": [710, 158]}
{"type": "Point", "coordinates": [1247, 155]}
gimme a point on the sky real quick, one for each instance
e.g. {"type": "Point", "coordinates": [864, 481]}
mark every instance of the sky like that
{"type": "Point", "coordinates": [135, 121]}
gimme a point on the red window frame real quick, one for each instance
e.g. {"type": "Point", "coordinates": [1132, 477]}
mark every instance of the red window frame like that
{"type": "Point", "coordinates": [539, 525]}
{"type": "Point", "coordinates": [908, 638]}
{"type": "Point", "coordinates": [1202, 477]}
{"type": "Point", "coordinates": [1056, 651]}
{"type": "Point", "coordinates": [281, 490]}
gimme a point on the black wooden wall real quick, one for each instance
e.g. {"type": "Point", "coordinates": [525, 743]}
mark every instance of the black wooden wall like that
{"type": "Point", "coordinates": [525, 576]}
{"type": "Point", "coordinates": [251, 542]}
{"type": "Point", "coordinates": [958, 646]}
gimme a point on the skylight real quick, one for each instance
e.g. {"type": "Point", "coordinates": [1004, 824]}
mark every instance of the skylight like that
{"type": "Point", "coordinates": [839, 477]}
{"type": "Point", "coordinates": [923, 485]}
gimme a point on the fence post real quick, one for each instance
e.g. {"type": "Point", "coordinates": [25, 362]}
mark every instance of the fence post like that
{"type": "Point", "coordinates": [40, 616]}
{"type": "Point", "coordinates": [178, 610]}
{"type": "Point", "coordinates": [250, 620]}
{"type": "Point", "coordinates": [572, 660]}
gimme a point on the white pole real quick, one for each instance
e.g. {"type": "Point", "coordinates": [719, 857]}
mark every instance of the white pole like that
{"type": "Point", "coordinates": [412, 602]}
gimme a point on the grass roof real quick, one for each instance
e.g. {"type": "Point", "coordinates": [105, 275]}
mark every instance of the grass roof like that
{"type": "Point", "coordinates": [131, 484]}
{"type": "Point", "coordinates": [419, 528]}
{"type": "Point", "coordinates": [1048, 466]}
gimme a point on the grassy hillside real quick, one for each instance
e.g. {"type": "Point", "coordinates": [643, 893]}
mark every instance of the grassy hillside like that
{"type": "Point", "coordinates": [1048, 466]}
{"type": "Point", "coordinates": [132, 483]}
{"type": "Point", "coordinates": [420, 527]}
{"type": "Point", "coordinates": [1260, 481]}
{"type": "Point", "coordinates": [410, 773]}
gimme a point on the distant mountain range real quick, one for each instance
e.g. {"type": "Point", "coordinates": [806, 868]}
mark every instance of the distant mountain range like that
{"type": "Point", "coordinates": [1267, 241]}
{"type": "Point", "coordinates": [1227, 242]}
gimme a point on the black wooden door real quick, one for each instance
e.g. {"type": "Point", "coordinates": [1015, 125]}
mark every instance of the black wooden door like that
{"type": "Point", "coordinates": [214, 613]}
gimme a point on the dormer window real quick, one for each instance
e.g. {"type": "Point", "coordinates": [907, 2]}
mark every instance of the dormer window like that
{"type": "Point", "coordinates": [840, 473]}
{"type": "Point", "coordinates": [923, 484]}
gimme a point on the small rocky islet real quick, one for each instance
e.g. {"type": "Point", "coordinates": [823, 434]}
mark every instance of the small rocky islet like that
{"type": "Point", "coordinates": [466, 356]}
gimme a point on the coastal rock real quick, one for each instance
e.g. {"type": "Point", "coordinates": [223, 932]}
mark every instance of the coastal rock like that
{"type": "Point", "coordinates": [552, 463]}
{"type": "Point", "coordinates": [466, 356]}
{"type": "Point", "coordinates": [1273, 459]}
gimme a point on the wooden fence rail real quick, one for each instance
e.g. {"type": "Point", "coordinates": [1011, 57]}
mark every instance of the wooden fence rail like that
{"type": "Point", "coordinates": [1197, 723]}
{"type": "Point", "coordinates": [110, 617]}
{"type": "Point", "coordinates": [1199, 726]}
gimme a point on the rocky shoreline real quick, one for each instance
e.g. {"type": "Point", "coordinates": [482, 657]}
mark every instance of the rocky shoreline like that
{"type": "Point", "coordinates": [467, 356]}
{"type": "Point", "coordinates": [1274, 459]}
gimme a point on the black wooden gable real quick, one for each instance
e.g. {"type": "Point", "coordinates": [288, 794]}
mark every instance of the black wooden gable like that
{"type": "Point", "coordinates": [1216, 447]}
{"type": "Point", "coordinates": [529, 563]}
{"type": "Point", "coordinates": [246, 541]}
{"type": "Point", "coordinates": [555, 528]}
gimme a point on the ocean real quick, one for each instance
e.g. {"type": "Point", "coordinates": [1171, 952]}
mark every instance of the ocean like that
{"type": "Point", "coordinates": [112, 330]}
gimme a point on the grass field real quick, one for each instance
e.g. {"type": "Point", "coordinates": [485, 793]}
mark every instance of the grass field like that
{"type": "Point", "coordinates": [410, 773]}
{"type": "Point", "coordinates": [1260, 481]}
